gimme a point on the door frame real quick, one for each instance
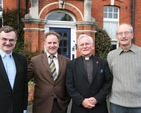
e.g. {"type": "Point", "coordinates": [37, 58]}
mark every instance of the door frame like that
{"type": "Point", "coordinates": [72, 27]}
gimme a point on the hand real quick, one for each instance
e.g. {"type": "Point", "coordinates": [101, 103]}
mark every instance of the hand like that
{"type": "Point", "coordinates": [88, 103]}
{"type": "Point", "coordinates": [92, 100]}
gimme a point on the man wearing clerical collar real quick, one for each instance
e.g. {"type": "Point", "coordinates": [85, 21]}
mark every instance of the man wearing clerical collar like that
{"type": "Point", "coordinates": [88, 79]}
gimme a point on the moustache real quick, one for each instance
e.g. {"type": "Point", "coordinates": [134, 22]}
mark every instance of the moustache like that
{"type": "Point", "coordinates": [124, 39]}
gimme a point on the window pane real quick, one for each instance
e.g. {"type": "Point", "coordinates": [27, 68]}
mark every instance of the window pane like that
{"type": "Point", "coordinates": [110, 15]}
{"type": "Point", "coordinates": [105, 15]}
{"type": "Point", "coordinates": [65, 35]}
{"type": "Point", "coordinates": [65, 51]}
{"type": "Point", "coordinates": [111, 11]}
{"type": "Point", "coordinates": [115, 9]}
{"type": "Point", "coordinates": [115, 16]}
{"type": "Point", "coordinates": [65, 43]}
{"type": "Point", "coordinates": [105, 9]}
{"type": "Point", "coordinates": [111, 27]}
{"type": "Point", "coordinates": [60, 16]}
{"type": "Point", "coordinates": [113, 47]}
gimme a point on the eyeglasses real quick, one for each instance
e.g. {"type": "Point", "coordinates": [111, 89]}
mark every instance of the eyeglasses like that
{"type": "Point", "coordinates": [125, 33]}
{"type": "Point", "coordinates": [10, 40]}
{"type": "Point", "coordinates": [85, 44]}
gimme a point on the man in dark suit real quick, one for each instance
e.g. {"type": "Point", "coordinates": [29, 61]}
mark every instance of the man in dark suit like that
{"type": "Point", "coordinates": [88, 79]}
{"type": "Point", "coordinates": [13, 68]}
{"type": "Point", "coordinates": [50, 94]}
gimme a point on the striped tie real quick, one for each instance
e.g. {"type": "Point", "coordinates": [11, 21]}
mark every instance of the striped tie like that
{"type": "Point", "coordinates": [52, 67]}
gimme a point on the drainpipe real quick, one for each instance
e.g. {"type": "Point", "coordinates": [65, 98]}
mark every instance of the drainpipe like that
{"type": "Point", "coordinates": [18, 15]}
{"type": "Point", "coordinates": [26, 6]}
{"type": "Point", "coordinates": [133, 3]}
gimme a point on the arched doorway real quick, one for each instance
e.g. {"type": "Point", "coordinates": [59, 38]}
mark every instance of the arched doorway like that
{"type": "Point", "coordinates": [63, 23]}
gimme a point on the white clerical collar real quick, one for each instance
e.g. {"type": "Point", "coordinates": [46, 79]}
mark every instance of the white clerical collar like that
{"type": "Point", "coordinates": [87, 58]}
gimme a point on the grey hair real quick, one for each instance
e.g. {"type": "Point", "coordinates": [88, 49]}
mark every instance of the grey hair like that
{"type": "Point", "coordinates": [131, 28]}
{"type": "Point", "coordinates": [83, 36]}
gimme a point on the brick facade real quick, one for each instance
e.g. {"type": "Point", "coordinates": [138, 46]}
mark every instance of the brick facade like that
{"type": "Point", "coordinates": [34, 28]}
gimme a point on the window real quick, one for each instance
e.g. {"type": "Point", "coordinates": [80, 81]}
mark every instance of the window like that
{"type": "Point", "coordinates": [111, 21]}
{"type": "Point", "coordinates": [61, 16]}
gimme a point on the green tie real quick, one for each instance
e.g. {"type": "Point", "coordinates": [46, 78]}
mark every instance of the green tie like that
{"type": "Point", "coordinates": [52, 67]}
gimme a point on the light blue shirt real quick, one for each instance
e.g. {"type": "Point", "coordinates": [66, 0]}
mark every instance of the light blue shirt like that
{"type": "Point", "coordinates": [9, 65]}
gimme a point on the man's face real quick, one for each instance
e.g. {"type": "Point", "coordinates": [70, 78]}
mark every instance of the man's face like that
{"type": "Point", "coordinates": [51, 44]}
{"type": "Point", "coordinates": [85, 47]}
{"type": "Point", "coordinates": [124, 35]}
{"type": "Point", "coordinates": [7, 41]}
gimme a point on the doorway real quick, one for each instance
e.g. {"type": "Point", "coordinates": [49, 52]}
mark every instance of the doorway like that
{"type": "Point", "coordinates": [64, 47]}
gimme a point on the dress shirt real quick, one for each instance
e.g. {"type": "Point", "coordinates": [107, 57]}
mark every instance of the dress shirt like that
{"type": "Point", "coordinates": [24, 111]}
{"type": "Point", "coordinates": [10, 67]}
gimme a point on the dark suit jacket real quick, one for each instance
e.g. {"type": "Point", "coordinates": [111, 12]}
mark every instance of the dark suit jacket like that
{"type": "Point", "coordinates": [79, 87]}
{"type": "Point", "coordinates": [46, 87]}
{"type": "Point", "coordinates": [14, 100]}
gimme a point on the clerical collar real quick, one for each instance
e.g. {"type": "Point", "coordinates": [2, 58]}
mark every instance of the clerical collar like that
{"type": "Point", "coordinates": [87, 58]}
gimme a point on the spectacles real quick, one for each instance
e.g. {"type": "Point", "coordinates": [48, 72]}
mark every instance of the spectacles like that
{"type": "Point", "coordinates": [85, 44]}
{"type": "Point", "coordinates": [125, 33]}
{"type": "Point", "coordinates": [10, 40]}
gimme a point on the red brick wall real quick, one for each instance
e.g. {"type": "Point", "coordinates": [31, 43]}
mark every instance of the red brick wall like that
{"type": "Point", "coordinates": [124, 5]}
{"type": "Point", "coordinates": [13, 4]}
{"type": "Point", "coordinates": [97, 13]}
{"type": "Point", "coordinates": [137, 29]}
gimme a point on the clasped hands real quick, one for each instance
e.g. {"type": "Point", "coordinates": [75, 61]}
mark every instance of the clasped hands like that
{"type": "Point", "coordinates": [89, 102]}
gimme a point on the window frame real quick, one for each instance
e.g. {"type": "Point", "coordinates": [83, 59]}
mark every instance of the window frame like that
{"type": "Point", "coordinates": [110, 21]}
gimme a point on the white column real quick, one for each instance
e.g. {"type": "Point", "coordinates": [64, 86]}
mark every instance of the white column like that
{"type": "Point", "coordinates": [87, 10]}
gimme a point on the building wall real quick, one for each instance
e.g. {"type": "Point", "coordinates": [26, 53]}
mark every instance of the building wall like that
{"type": "Point", "coordinates": [137, 27]}
{"type": "Point", "coordinates": [13, 4]}
{"type": "Point", "coordinates": [126, 16]}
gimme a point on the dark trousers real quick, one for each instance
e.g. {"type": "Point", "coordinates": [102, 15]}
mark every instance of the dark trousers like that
{"type": "Point", "coordinates": [56, 108]}
{"type": "Point", "coordinates": [120, 109]}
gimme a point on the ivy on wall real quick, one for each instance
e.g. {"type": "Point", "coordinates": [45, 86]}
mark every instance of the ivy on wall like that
{"type": "Point", "coordinates": [12, 17]}
{"type": "Point", "coordinates": [102, 43]}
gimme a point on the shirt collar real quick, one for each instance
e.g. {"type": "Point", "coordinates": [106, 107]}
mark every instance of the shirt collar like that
{"type": "Point", "coordinates": [132, 49]}
{"type": "Point", "coordinates": [3, 54]}
{"type": "Point", "coordinates": [56, 55]}
{"type": "Point", "coordinates": [87, 58]}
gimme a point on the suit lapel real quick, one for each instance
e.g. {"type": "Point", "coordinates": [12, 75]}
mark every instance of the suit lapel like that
{"type": "Point", "coordinates": [95, 66]}
{"type": "Point", "coordinates": [3, 73]}
{"type": "Point", "coordinates": [81, 66]}
{"type": "Point", "coordinates": [17, 64]}
{"type": "Point", "coordinates": [44, 61]}
{"type": "Point", "coordinates": [61, 68]}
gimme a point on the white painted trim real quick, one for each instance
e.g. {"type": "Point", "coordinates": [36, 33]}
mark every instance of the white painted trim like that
{"type": "Point", "coordinates": [33, 29]}
{"type": "Point", "coordinates": [72, 38]}
{"type": "Point", "coordinates": [57, 3]}
{"type": "Point", "coordinates": [112, 2]}
{"type": "Point", "coordinates": [93, 31]}
{"type": "Point", "coordinates": [65, 24]}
